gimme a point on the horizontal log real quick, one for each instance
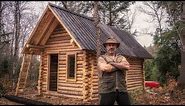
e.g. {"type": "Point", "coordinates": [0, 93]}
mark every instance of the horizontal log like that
{"type": "Point", "coordinates": [62, 66]}
{"type": "Point", "coordinates": [60, 49]}
{"type": "Point", "coordinates": [62, 30]}
{"type": "Point", "coordinates": [44, 82]}
{"type": "Point", "coordinates": [62, 71]}
{"type": "Point", "coordinates": [71, 96]}
{"type": "Point", "coordinates": [59, 42]}
{"type": "Point", "coordinates": [66, 45]}
{"type": "Point", "coordinates": [134, 85]}
{"type": "Point", "coordinates": [134, 70]}
{"type": "Point", "coordinates": [52, 39]}
{"type": "Point", "coordinates": [80, 54]}
{"type": "Point", "coordinates": [135, 82]}
{"type": "Point", "coordinates": [134, 88]}
{"type": "Point", "coordinates": [70, 89]}
{"type": "Point", "coordinates": [94, 90]}
{"type": "Point", "coordinates": [79, 75]}
{"type": "Point", "coordinates": [61, 76]}
{"type": "Point", "coordinates": [59, 94]}
{"type": "Point", "coordinates": [95, 98]}
{"type": "Point", "coordinates": [135, 78]}
{"type": "Point", "coordinates": [95, 84]}
{"type": "Point", "coordinates": [134, 75]}
{"type": "Point", "coordinates": [70, 82]}
{"type": "Point", "coordinates": [71, 50]}
{"type": "Point", "coordinates": [61, 54]}
{"type": "Point", "coordinates": [76, 85]}
{"type": "Point", "coordinates": [59, 35]}
{"type": "Point", "coordinates": [44, 88]}
{"type": "Point", "coordinates": [63, 79]}
{"type": "Point", "coordinates": [51, 51]}
{"type": "Point", "coordinates": [95, 76]}
{"type": "Point", "coordinates": [79, 62]}
{"type": "Point", "coordinates": [79, 70]}
{"type": "Point", "coordinates": [34, 46]}
{"type": "Point", "coordinates": [80, 66]}
{"type": "Point", "coordinates": [62, 58]}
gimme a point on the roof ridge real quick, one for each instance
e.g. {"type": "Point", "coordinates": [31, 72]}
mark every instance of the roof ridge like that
{"type": "Point", "coordinates": [83, 16]}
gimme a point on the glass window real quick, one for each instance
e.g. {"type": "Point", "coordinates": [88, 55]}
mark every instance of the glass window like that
{"type": "Point", "coordinates": [71, 66]}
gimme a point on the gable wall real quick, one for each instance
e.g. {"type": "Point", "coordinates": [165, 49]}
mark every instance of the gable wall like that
{"type": "Point", "coordinates": [60, 42]}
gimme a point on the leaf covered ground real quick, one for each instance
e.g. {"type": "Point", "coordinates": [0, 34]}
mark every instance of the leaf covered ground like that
{"type": "Point", "coordinates": [166, 95]}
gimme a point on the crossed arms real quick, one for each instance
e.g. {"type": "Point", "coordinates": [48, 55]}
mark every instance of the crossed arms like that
{"type": "Point", "coordinates": [109, 66]}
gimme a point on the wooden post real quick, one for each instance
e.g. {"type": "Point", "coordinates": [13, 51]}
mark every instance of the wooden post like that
{"type": "Point", "coordinates": [96, 22]}
{"type": "Point", "coordinates": [39, 79]}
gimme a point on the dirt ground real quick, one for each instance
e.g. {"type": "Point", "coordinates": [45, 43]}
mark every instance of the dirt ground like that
{"type": "Point", "coordinates": [32, 94]}
{"type": "Point", "coordinates": [4, 101]}
{"type": "Point", "coordinates": [166, 95]}
{"type": "Point", "coordinates": [157, 96]}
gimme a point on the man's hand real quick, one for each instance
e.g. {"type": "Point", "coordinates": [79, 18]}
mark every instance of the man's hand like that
{"type": "Point", "coordinates": [104, 66]}
{"type": "Point", "coordinates": [121, 65]}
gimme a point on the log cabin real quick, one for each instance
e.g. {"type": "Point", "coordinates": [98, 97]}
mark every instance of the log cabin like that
{"type": "Point", "coordinates": [66, 43]}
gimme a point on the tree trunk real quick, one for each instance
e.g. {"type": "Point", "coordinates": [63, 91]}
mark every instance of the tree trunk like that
{"type": "Point", "coordinates": [96, 22]}
{"type": "Point", "coordinates": [16, 46]}
{"type": "Point", "coordinates": [181, 81]}
{"type": "Point", "coordinates": [110, 14]}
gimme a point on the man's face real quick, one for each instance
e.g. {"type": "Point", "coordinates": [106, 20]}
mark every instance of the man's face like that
{"type": "Point", "coordinates": [111, 48]}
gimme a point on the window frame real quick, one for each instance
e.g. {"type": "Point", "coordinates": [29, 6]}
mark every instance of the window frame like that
{"type": "Point", "coordinates": [67, 67]}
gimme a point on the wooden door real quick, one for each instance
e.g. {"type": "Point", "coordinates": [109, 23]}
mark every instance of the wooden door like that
{"type": "Point", "coordinates": [53, 72]}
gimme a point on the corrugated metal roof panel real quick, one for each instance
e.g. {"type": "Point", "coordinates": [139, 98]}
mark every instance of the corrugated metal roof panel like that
{"type": "Point", "coordinates": [84, 32]}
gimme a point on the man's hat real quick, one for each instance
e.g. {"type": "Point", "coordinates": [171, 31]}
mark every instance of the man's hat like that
{"type": "Point", "coordinates": [111, 40]}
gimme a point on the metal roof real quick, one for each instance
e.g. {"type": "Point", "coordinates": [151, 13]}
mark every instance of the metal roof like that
{"type": "Point", "coordinates": [84, 31]}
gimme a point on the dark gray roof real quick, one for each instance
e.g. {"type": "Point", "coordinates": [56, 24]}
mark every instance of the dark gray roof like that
{"type": "Point", "coordinates": [84, 31]}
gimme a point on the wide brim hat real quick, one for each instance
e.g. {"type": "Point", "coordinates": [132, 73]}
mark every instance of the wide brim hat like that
{"type": "Point", "coordinates": [111, 40]}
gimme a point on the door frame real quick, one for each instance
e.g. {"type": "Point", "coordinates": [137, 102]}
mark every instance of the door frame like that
{"type": "Point", "coordinates": [48, 71]}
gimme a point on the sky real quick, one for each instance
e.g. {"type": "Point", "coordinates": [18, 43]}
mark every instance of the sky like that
{"type": "Point", "coordinates": [140, 23]}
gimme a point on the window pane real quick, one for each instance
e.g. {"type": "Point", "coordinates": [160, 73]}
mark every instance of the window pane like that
{"type": "Point", "coordinates": [71, 66]}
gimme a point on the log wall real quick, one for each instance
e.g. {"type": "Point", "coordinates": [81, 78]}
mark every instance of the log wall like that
{"type": "Point", "coordinates": [61, 43]}
{"type": "Point", "coordinates": [135, 76]}
{"type": "Point", "coordinates": [85, 84]}
{"type": "Point", "coordinates": [90, 77]}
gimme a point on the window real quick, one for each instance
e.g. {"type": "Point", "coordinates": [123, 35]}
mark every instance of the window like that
{"type": "Point", "coordinates": [71, 66]}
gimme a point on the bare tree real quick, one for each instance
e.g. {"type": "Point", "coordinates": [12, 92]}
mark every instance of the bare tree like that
{"type": "Point", "coordinates": [17, 26]}
{"type": "Point", "coordinates": [130, 20]}
{"type": "Point", "coordinates": [156, 12]}
{"type": "Point", "coordinates": [96, 22]}
{"type": "Point", "coordinates": [4, 36]}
